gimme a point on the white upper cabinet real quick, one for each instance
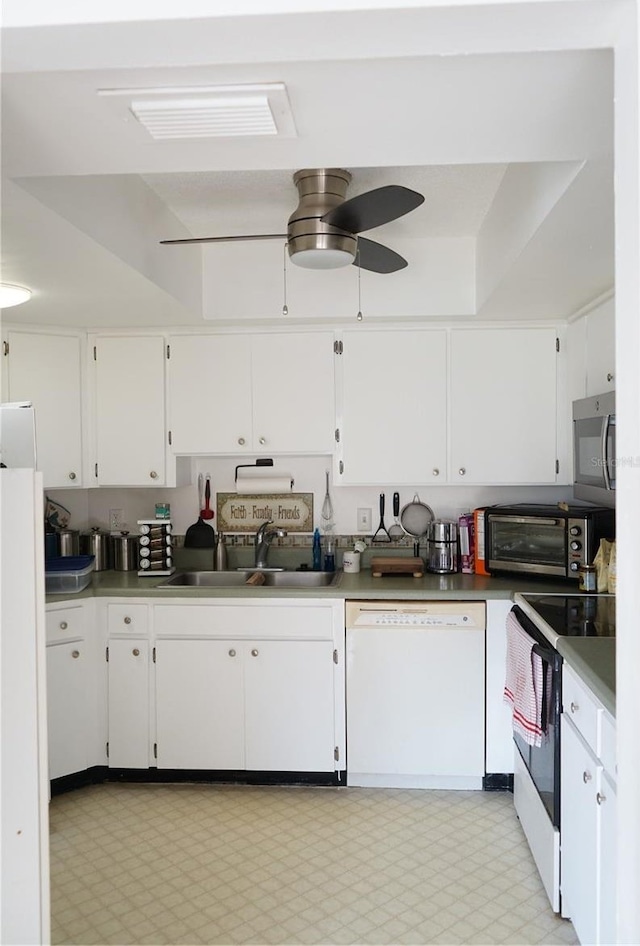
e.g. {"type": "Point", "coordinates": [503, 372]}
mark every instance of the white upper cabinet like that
{"type": "Point", "coordinates": [46, 370]}
{"type": "Point", "coordinates": [601, 355]}
{"type": "Point", "coordinates": [129, 410]}
{"type": "Point", "coordinates": [235, 394]}
{"type": "Point", "coordinates": [392, 407]}
{"type": "Point", "coordinates": [503, 415]}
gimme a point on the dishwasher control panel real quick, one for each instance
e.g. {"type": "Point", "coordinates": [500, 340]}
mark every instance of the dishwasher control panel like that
{"type": "Point", "coordinates": [415, 614]}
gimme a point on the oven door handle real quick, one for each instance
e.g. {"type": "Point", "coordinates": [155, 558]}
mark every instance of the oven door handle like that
{"type": "Point", "coordinates": [544, 653]}
{"type": "Point", "coordinates": [606, 459]}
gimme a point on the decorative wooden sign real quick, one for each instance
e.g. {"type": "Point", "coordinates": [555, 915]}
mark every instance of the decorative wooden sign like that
{"type": "Point", "coordinates": [244, 513]}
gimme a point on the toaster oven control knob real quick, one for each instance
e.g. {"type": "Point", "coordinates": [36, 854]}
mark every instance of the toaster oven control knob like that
{"type": "Point", "coordinates": [574, 566]}
{"type": "Point", "coordinates": [575, 530]}
{"type": "Point", "coordinates": [576, 546]}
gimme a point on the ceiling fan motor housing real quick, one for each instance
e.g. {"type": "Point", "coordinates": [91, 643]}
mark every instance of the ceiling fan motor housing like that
{"type": "Point", "coordinates": [320, 190]}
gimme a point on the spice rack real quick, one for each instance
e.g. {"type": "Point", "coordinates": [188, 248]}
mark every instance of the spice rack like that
{"type": "Point", "coordinates": [155, 548]}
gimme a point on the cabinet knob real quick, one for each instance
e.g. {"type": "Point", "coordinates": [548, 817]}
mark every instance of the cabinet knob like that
{"type": "Point", "coordinates": [574, 707]}
{"type": "Point", "coordinates": [136, 651]}
{"type": "Point", "coordinates": [254, 652]}
{"type": "Point", "coordinates": [63, 625]}
{"type": "Point", "coordinates": [75, 654]}
{"type": "Point", "coordinates": [436, 471]}
{"type": "Point", "coordinates": [153, 475]}
{"type": "Point", "coordinates": [241, 441]}
{"type": "Point", "coordinates": [72, 475]}
{"type": "Point", "coordinates": [586, 777]}
{"type": "Point", "coordinates": [232, 652]}
{"type": "Point", "coordinates": [262, 440]}
{"type": "Point", "coordinates": [462, 471]}
{"type": "Point", "coordinates": [600, 798]}
{"type": "Point", "coordinates": [127, 620]}
{"type": "Point", "coordinates": [610, 377]}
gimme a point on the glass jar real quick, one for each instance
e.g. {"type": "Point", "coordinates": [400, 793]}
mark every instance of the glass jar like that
{"type": "Point", "coordinates": [587, 578]}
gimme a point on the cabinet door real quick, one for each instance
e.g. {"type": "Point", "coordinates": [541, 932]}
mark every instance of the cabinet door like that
{"type": "Point", "coordinates": [210, 394]}
{"type": "Point", "coordinates": [67, 708]}
{"type": "Point", "coordinates": [45, 369]}
{"type": "Point", "coordinates": [503, 406]}
{"type": "Point", "coordinates": [392, 407]}
{"type": "Point", "coordinates": [130, 417]}
{"type": "Point", "coordinates": [199, 704]}
{"type": "Point", "coordinates": [578, 816]}
{"type": "Point", "coordinates": [289, 706]}
{"type": "Point", "coordinates": [601, 356]}
{"type": "Point", "coordinates": [293, 392]}
{"type": "Point", "coordinates": [607, 927]}
{"type": "Point", "coordinates": [128, 671]}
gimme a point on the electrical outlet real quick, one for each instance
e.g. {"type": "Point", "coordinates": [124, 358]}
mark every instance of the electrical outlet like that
{"type": "Point", "coordinates": [115, 520]}
{"type": "Point", "coordinates": [364, 520]}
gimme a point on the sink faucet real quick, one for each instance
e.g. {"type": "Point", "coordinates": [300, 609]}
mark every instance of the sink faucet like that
{"type": "Point", "coordinates": [264, 538]}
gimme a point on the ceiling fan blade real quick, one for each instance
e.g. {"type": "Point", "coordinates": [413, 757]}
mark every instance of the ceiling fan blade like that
{"type": "Point", "coordinates": [377, 258]}
{"type": "Point", "coordinates": [373, 208]}
{"type": "Point", "coordinates": [229, 239]}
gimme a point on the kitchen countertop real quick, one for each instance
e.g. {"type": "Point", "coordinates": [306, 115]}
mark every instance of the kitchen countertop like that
{"type": "Point", "coordinates": [360, 586]}
{"type": "Point", "coordinates": [594, 660]}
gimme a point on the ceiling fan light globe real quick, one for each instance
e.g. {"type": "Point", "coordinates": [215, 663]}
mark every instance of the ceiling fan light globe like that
{"type": "Point", "coordinates": [325, 258]}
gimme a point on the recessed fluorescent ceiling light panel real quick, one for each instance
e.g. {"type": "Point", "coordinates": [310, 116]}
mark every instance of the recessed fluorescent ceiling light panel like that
{"type": "Point", "coordinates": [224, 111]}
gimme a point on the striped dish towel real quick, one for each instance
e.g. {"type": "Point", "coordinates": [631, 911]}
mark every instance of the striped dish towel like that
{"type": "Point", "coordinates": [523, 684]}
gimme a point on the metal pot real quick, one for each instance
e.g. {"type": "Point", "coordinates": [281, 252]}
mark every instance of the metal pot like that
{"type": "Point", "coordinates": [125, 552]}
{"type": "Point", "coordinates": [69, 542]}
{"type": "Point", "coordinates": [98, 544]}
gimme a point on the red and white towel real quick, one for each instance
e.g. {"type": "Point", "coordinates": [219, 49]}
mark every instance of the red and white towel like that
{"type": "Point", "coordinates": [523, 684]}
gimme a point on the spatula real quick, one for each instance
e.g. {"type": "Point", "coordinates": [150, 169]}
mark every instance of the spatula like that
{"type": "Point", "coordinates": [381, 534]}
{"type": "Point", "coordinates": [207, 512]}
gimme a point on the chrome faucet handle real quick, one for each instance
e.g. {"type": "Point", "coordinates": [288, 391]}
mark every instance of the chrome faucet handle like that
{"type": "Point", "coordinates": [261, 530]}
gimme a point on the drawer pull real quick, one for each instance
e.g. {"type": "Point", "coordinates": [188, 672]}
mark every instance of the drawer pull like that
{"type": "Point", "coordinates": [436, 471]}
{"type": "Point", "coordinates": [153, 475]}
{"type": "Point", "coordinates": [600, 798]}
{"type": "Point", "coordinates": [254, 652]}
{"type": "Point", "coordinates": [232, 652]}
{"type": "Point", "coordinates": [262, 441]}
{"type": "Point", "coordinates": [63, 625]}
{"type": "Point", "coordinates": [241, 441]}
{"type": "Point", "coordinates": [136, 652]}
{"type": "Point", "coordinates": [574, 707]}
{"type": "Point", "coordinates": [462, 471]}
{"type": "Point", "coordinates": [75, 654]}
{"type": "Point", "coordinates": [127, 620]}
{"type": "Point", "coordinates": [72, 475]}
{"type": "Point", "coordinates": [586, 777]}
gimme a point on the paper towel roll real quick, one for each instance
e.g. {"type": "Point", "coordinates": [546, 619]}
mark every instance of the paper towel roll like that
{"type": "Point", "coordinates": [264, 484]}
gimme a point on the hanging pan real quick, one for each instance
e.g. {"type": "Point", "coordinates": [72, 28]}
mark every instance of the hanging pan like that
{"type": "Point", "coordinates": [415, 519]}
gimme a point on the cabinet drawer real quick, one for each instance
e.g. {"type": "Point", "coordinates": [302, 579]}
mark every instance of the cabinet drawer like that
{"type": "Point", "coordinates": [581, 707]}
{"type": "Point", "coordinates": [274, 621]}
{"type": "Point", "coordinates": [607, 743]}
{"type": "Point", "coordinates": [64, 624]}
{"type": "Point", "coordinates": [125, 618]}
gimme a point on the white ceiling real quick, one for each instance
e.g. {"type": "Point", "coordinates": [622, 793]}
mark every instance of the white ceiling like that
{"type": "Point", "coordinates": [88, 193]}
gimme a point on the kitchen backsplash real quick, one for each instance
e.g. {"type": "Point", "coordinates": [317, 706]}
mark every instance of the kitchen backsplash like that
{"type": "Point", "coordinates": [92, 507]}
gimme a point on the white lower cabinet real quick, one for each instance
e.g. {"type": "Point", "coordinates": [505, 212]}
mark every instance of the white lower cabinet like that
{"type": "Point", "coordinates": [128, 689]}
{"type": "Point", "coordinates": [71, 711]}
{"type": "Point", "coordinates": [260, 705]}
{"type": "Point", "coordinates": [67, 684]}
{"type": "Point", "coordinates": [588, 815]}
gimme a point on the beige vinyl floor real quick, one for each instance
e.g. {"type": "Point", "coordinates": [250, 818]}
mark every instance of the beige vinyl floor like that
{"type": "Point", "coordinates": [189, 864]}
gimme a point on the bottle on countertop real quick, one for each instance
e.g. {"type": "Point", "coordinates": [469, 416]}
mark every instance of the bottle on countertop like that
{"type": "Point", "coordinates": [330, 554]}
{"type": "Point", "coordinates": [317, 551]}
{"type": "Point", "coordinates": [221, 554]}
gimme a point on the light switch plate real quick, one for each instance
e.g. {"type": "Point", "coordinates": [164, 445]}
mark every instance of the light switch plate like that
{"type": "Point", "coordinates": [364, 520]}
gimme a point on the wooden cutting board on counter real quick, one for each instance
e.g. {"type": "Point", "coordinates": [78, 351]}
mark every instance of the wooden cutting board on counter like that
{"type": "Point", "coordinates": [395, 565]}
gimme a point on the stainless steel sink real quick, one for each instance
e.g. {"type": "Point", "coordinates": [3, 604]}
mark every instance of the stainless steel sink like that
{"type": "Point", "coordinates": [237, 579]}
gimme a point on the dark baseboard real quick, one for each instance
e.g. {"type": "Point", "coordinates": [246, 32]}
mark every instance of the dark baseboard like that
{"type": "Point", "coordinates": [102, 773]}
{"type": "Point", "coordinates": [497, 782]}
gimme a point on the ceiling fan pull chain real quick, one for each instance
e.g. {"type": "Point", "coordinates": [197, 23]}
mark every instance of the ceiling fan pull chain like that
{"type": "Point", "coordinates": [285, 308]}
{"type": "Point", "coordinates": [359, 315]}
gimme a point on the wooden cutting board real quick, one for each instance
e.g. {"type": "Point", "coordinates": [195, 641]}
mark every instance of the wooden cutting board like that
{"type": "Point", "coordinates": [394, 565]}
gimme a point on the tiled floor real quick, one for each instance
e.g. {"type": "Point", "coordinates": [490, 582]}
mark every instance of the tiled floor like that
{"type": "Point", "coordinates": [187, 864]}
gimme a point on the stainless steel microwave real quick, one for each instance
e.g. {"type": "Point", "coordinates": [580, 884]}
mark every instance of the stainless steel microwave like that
{"type": "Point", "coordinates": [594, 449]}
{"type": "Point", "coordinates": [530, 539]}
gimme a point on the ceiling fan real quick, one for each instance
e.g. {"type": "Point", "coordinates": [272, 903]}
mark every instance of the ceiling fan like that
{"type": "Point", "coordinates": [323, 231]}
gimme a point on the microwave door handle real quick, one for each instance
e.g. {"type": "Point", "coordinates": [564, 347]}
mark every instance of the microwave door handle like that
{"type": "Point", "coordinates": [606, 459]}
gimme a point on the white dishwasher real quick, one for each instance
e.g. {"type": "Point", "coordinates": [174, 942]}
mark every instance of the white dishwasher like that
{"type": "Point", "coordinates": [415, 693]}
